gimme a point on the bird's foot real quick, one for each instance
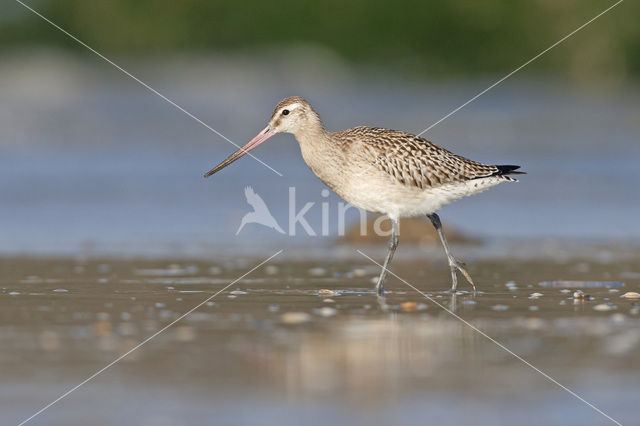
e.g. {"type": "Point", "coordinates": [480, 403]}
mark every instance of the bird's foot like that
{"type": "Point", "coordinates": [457, 265]}
{"type": "Point", "coordinates": [380, 288]}
{"type": "Point", "coordinates": [382, 303]}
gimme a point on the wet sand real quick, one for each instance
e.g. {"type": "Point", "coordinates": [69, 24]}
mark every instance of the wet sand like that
{"type": "Point", "coordinates": [308, 342]}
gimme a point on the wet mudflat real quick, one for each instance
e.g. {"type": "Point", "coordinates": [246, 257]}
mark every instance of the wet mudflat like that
{"type": "Point", "coordinates": [309, 342]}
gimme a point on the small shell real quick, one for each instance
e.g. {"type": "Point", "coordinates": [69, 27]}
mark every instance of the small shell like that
{"type": "Point", "coordinates": [631, 295]}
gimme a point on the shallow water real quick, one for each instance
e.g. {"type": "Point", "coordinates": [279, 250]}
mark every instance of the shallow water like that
{"type": "Point", "coordinates": [308, 342]}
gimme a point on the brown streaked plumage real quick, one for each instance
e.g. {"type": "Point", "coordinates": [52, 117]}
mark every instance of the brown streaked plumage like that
{"type": "Point", "coordinates": [381, 170]}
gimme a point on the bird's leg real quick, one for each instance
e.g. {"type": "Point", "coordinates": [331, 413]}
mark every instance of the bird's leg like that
{"type": "Point", "coordinates": [454, 264]}
{"type": "Point", "coordinates": [393, 244]}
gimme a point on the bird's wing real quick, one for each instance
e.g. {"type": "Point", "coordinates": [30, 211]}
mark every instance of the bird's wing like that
{"type": "Point", "coordinates": [254, 200]}
{"type": "Point", "coordinates": [412, 160]}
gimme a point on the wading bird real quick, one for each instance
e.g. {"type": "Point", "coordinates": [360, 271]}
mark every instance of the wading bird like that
{"type": "Point", "coordinates": [382, 171]}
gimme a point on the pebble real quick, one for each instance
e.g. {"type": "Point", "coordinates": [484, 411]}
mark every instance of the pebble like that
{"type": "Point", "coordinates": [274, 308]}
{"type": "Point", "coordinates": [327, 292]}
{"type": "Point", "coordinates": [469, 302]}
{"type": "Point", "coordinates": [294, 318]}
{"type": "Point", "coordinates": [14, 293]}
{"type": "Point", "coordinates": [579, 295]}
{"type": "Point", "coordinates": [328, 301]}
{"type": "Point", "coordinates": [326, 311]}
{"type": "Point", "coordinates": [511, 285]}
{"type": "Point", "coordinates": [60, 290]}
{"type": "Point", "coordinates": [499, 307]}
{"type": "Point", "coordinates": [603, 307]}
{"type": "Point", "coordinates": [408, 306]}
{"type": "Point", "coordinates": [533, 308]}
{"type": "Point", "coordinates": [236, 292]}
{"type": "Point", "coordinates": [535, 295]}
{"type": "Point", "coordinates": [631, 295]}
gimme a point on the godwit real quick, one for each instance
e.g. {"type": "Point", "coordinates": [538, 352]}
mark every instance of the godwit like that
{"type": "Point", "coordinates": [381, 170]}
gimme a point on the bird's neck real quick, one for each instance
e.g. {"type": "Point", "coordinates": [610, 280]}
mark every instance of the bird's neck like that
{"type": "Point", "coordinates": [312, 135]}
{"type": "Point", "coordinates": [321, 153]}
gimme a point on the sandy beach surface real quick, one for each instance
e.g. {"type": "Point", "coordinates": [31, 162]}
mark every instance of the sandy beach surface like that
{"type": "Point", "coordinates": [308, 341]}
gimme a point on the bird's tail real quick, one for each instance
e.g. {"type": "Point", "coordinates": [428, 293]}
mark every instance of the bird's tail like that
{"type": "Point", "coordinates": [508, 170]}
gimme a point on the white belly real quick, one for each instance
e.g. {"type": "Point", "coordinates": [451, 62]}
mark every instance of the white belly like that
{"type": "Point", "coordinates": [397, 200]}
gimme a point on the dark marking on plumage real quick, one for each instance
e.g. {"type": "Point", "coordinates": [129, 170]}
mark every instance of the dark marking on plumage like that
{"type": "Point", "coordinates": [417, 162]}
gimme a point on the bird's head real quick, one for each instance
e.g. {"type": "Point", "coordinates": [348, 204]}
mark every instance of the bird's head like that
{"type": "Point", "coordinates": [291, 115]}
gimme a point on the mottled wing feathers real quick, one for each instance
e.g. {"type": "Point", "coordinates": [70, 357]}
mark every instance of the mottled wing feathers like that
{"type": "Point", "coordinates": [415, 161]}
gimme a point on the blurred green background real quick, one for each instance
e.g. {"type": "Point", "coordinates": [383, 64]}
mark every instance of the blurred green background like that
{"type": "Point", "coordinates": [431, 39]}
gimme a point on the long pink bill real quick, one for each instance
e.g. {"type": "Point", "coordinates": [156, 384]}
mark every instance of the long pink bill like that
{"type": "Point", "coordinates": [265, 134]}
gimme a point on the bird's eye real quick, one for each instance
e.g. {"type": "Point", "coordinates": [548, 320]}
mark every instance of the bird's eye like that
{"type": "Point", "coordinates": [285, 112]}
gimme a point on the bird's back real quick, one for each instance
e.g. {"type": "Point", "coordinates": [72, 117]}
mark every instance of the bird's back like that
{"type": "Point", "coordinates": [415, 161]}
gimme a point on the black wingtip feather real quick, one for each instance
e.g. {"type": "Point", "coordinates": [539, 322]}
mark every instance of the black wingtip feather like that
{"type": "Point", "coordinates": [508, 170]}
